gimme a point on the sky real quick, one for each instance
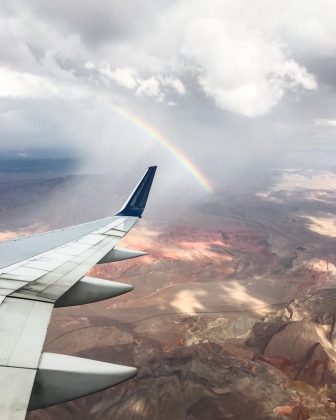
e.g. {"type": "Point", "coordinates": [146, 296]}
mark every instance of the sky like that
{"type": "Point", "coordinates": [203, 88]}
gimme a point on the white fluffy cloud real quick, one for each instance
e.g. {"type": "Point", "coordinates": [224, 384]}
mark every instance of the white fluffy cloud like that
{"type": "Point", "coordinates": [324, 122]}
{"type": "Point", "coordinates": [125, 77]}
{"type": "Point", "coordinates": [155, 86]}
{"type": "Point", "coordinates": [159, 86]}
{"type": "Point", "coordinates": [174, 83]}
{"type": "Point", "coordinates": [244, 62]}
{"type": "Point", "coordinates": [149, 87]}
{"type": "Point", "coordinates": [16, 84]}
{"type": "Point", "coordinates": [239, 69]}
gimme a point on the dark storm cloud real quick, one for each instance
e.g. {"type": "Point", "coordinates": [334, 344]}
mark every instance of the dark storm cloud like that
{"type": "Point", "coordinates": [98, 23]}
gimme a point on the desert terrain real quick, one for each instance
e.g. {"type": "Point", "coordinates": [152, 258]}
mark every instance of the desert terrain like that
{"type": "Point", "coordinates": [233, 312]}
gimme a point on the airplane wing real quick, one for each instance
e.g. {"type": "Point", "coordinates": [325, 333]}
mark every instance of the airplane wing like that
{"type": "Point", "coordinates": [47, 270]}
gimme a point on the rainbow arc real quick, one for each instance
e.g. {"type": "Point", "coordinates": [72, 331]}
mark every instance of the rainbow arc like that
{"type": "Point", "coordinates": [167, 144]}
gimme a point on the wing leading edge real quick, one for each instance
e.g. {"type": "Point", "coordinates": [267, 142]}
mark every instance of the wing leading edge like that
{"type": "Point", "coordinates": [44, 271]}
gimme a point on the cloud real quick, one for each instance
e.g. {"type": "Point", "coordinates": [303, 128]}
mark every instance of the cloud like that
{"type": "Point", "coordinates": [324, 122]}
{"type": "Point", "coordinates": [159, 87]}
{"type": "Point", "coordinates": [174, 83]}
{"type": "Point", "coordinates": [16, 84]}
{"type": "Point", "coordinates": [239, 69]}
{"type": "Point", "coordinates": [156, 86]}
{"type": "Point", "coordinates": [228, 81]}
{"type": "Point", "coordinates": [110, 21]}
{"type": "Point", "coordinates": [149, 87]}
{"type": "Point", "coordinates": [237, 61]}
{"type": "Point", "coordinates": [125, 77]}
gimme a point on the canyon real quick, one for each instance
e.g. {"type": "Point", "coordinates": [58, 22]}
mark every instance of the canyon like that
{"type": "Point", "coordinates": [233, 312]}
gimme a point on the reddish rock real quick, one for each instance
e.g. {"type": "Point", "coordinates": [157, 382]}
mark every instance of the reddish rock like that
{"type": "Point", "coordinates": [293, 412]}
{"type": "Point", "coordinates": [317, 370]}
{"type": "Point", "coordinates": [285, 365]}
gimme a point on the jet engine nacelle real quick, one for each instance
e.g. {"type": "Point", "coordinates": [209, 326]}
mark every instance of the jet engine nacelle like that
{"type": "Point", "coordinates": [119, 254]}
{"type": "Point", "coordinates": [91, 289]}
{"type": "Point", "coordinates": [61, 378]}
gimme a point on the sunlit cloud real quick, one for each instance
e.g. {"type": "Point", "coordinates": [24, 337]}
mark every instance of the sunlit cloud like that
{"type": "Point", "coordinates": [325, 122]}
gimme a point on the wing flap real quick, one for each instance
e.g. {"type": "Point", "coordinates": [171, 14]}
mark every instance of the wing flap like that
{"type": "Point", "coordinates": [16, 386]}
{"type": "Point", "coordinates": [23, 327]}
{"type": "Point", "coordinates": [60, 268]}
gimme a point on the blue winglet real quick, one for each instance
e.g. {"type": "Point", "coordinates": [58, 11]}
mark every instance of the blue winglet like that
{"type": "Point", "coordinates": [136, 202]}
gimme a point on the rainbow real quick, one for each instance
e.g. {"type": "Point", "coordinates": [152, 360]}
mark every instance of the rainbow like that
{"type": "Point", "coordinates": [167, 144]}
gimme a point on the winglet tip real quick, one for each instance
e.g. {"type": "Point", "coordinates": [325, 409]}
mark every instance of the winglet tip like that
{"type": "Point", "coordinates": [136, 203]}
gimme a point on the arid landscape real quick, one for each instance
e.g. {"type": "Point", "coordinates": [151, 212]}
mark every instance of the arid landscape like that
{"type": "Point", "coordinates": [233, 312]}
{"type": "Point", "coordinates": [232, 105]}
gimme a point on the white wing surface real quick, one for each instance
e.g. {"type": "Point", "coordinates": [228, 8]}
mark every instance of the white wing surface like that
{"type": "Point", "coordinates": [47, 270]}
